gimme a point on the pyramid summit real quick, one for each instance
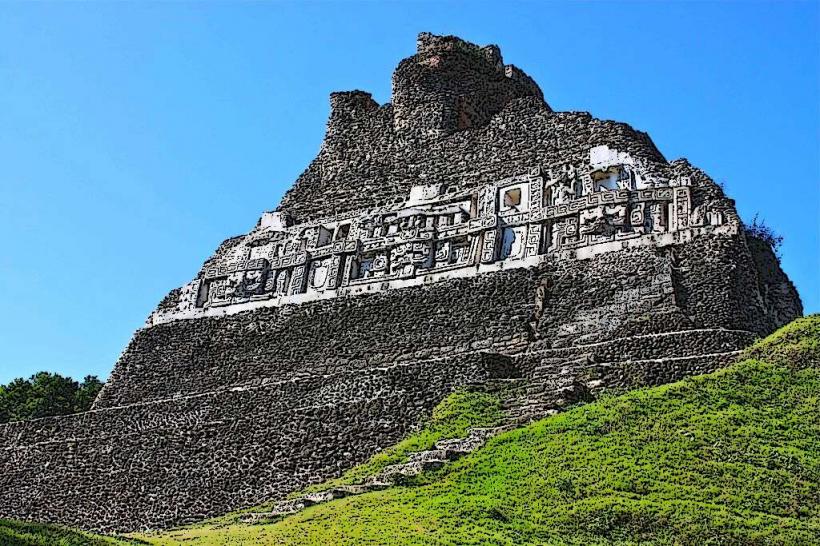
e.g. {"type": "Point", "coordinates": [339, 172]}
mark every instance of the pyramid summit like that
{"type": "Point", "coordinates": [464, 234]}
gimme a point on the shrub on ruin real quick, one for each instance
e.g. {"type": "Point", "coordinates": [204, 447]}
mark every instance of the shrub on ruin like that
{"type": "Point", "coordinates": [763, 232]}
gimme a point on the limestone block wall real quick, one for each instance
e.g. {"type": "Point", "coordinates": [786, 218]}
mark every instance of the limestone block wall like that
{"type": "Point", "coordinates": [452, 85]}
{"type": "Point", "coordinates": [458, 116]}
{"type": "Point", "coordinates": [157, 464]}
{"type": "Point", "coordinates": [613, 295]}
{"type": "Point", "coordinates": [208, 415]}
{"type": "Point", "coordinates": [777, 292]}
{"type": "Point", "coordinates": [708, 282]}
{"type": "Point", "coordinates": [716, 283]}
{"type": "Point", "coordinates": [638, 347]}
{"type": "Point", "coordinates": [366, 164]}
{"type": "Point", "coordinates": [324, 337]}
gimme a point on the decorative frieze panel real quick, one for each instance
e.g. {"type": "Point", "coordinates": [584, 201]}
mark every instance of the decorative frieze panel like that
{"type": "Point", "coordinates": [335, 271]}
{"type": "Point", "coordinates": [488, 247]}
{"type": "Point", "coordinates": [319, 273]}
{"type": "Point", "coordinates": [223, 270]}
{"type": "Point", "coordinates": [557, 210]}
{"type": "Point", "coordinates": [297, 280]}
{"type": "Point", "coordinates": [682, 205]}
{"type": "Point", "coordinates": [513, 242]}
{"type": "Point", "coordinates": [533, 246]}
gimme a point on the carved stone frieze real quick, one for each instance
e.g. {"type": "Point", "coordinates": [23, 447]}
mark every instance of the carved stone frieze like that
{"type": "Point", "coordinates": [557, 210]}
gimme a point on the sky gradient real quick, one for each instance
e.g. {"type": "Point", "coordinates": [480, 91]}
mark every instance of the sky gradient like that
{"type": "Point", "coordinates": [135, 137]}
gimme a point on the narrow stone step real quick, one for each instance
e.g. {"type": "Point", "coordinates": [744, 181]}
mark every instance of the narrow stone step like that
{"type": "Point", "coordinates": [460, 445]}
{"type": "Point", "coordinates": [475, 439]}
{"type": "Point", "coordinates": [395, 472]}
{"type": "Point", "coordinates": [539, 405]}
{"type": "Point", "coordinates": [434, 454]}
{"type": "Point", "coordinates": [529, 415]}
{"type": "Point", "coordinates": [256, 517]}
{"type": "Point", "coordinates": [321, 496]}
{"type": "Point", "coordinates": [283, 508]}
{"type": "Point", "coordinates": [376, 484]}
{"type": "Point", "coordinates": [523, 401]}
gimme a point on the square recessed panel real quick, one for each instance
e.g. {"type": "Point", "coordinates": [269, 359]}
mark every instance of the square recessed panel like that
{"type": "Point", "coordinates": [512, 198]}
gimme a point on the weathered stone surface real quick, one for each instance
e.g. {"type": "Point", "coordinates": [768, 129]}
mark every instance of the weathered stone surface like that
{"type": "Point", "coordinates": [154, 463]}
{"type": "Point", "coordinates": [461, 235]}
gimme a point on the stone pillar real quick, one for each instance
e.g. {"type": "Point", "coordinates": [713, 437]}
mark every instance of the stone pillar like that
{"type": "Point", "coordinates": [681, 208]}
{"type": "Point", "coordinates": [297, 280]}
{"type": "Point", "coordinates": [298, 277]}
{"type": "Point", "coordinates": [333, 276]}
{"type": "Point", "coordinates": [533, 247]}
{"type": "Point", "coordinates": [489, 247]}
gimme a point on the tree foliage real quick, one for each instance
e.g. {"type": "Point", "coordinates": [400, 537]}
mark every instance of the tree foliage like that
{"type": "Point", "coordinates": [45, 394]}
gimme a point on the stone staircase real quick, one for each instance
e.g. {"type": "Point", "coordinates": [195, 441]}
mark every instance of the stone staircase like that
{"type": "Point", "coordinates": [445, 451]}
{"type": "Point", "coordinates": [551, 387]}
{"type": "Point", "coordinates": [552, 383]}
{"type": "Point", "coordinates": [418, 462]}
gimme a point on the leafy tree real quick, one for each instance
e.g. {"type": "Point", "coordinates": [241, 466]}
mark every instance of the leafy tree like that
{"type": "Point", "coordinates": [51, 394]}
{"type": "Point", "coordinates": [87, 393]}
{"type": "Point", "coordinates": [45, 394]}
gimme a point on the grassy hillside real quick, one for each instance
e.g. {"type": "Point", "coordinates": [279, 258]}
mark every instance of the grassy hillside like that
{"type": "Point", "coordinates": [726, 458]}
{"type": "Point", "coordinates": [16, 533]}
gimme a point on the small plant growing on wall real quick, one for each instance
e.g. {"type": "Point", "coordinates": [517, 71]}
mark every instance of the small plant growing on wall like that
{"type": "Point", "coordinates": [760, 230]}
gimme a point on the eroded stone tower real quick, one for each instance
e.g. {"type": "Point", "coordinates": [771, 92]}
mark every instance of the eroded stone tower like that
{"type": "Point", "coordinates": [462, 233]}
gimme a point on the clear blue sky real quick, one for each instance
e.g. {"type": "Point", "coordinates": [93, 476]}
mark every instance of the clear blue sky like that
{"type": "Point", "coordinates": [135, 137]}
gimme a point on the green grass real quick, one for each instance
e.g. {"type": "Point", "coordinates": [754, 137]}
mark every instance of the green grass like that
{"type": "Point", "coordinates": [17, 533]}
{"type": "Point", "coordinates": [450, 419]}
{"type": "Point", "coordinates": [729, 458]}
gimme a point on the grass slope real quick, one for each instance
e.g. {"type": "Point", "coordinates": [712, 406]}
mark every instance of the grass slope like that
{"type": "Point", "coordinates": [17, 533]}
{"type": "Point", "coordinates": [450, 419]}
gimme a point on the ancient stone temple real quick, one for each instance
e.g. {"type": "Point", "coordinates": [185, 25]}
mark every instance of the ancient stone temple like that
{"type": "Point", "coordinates": [463, 233]}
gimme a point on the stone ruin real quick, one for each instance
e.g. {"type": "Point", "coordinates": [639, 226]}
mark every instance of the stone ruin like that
{"type": "Point", "coordinates": [464, 234]}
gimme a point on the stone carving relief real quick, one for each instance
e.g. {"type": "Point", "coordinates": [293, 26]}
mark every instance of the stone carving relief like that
{"type": "Point", "coordinates": [521, 218]}
{"type": "Point", "coordinates": [282, 282]}
{"type": "Point", "coordinates": [254, 282]}
{"type": "Point", "coordinates": [604, 220]}
{"type": "Point", "coordinates": [657, 217]}
{"type": "Point", "coordinates": [703, 216]}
